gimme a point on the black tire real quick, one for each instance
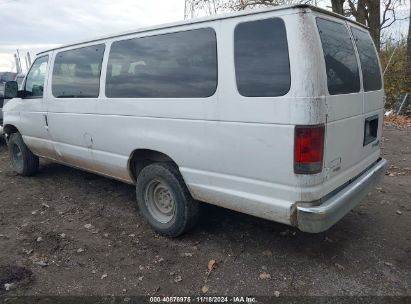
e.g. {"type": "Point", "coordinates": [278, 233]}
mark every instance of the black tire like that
{"type": "Point", "coordinates": [185, 211]}
{"type": "Point", "coordinates": [24, 162]}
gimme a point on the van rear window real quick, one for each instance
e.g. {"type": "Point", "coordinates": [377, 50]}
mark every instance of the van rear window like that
{"type": "Point", "coordinates": [262, 65]}
{"type": "Point", "coordinates": [340, 60]}
{"type": "Point", "coordinates": [371, 73]}
{"type": "Point", "coordinates": [175, 65]}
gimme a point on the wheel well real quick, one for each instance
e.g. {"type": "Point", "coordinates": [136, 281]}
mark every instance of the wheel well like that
{"type": "Point", "coordinates": [9, 129]}
{"type": "Point", "coordinates": [143, 157]}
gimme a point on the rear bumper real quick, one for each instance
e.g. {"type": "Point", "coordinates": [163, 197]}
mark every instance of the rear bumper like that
{"type": "Point", "coordinates": [315, 219]}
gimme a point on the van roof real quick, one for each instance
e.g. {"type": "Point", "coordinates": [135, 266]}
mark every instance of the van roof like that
{"type": "Point", "coordinates": [210, 18]}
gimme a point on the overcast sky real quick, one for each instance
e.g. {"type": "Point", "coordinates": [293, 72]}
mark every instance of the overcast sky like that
{"type": "Point", "coordinates": [35, 25]}
{"type": "Point", "coordinates": [42, 24]}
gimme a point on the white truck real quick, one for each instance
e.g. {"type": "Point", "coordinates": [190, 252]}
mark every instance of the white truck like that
{"type": "Point", "coordinates": [275, 113]}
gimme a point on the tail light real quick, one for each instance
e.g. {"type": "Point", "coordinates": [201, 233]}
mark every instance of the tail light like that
{"type": "Point", "coordinates": [309, 149]}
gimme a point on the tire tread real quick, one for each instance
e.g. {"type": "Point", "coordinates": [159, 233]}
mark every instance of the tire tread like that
{"type": "Point", "coordinates": [191, 206]}
{"type": "Point", "coordinates": [30, 161]}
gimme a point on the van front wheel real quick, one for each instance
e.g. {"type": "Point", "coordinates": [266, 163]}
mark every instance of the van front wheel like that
{"type": "Point", "coordinates": [24, 162]}
{"type": "Point", "coordinates": [164, 200]}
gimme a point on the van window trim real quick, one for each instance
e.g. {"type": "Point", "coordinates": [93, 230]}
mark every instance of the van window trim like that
{"type": "Point", "coordinates": [45, 77]}
{"type": "Point", "coordinates": [113, 40]}
{"type": "Point", "coordinates": [357, 55]}
{"type": "Point", "coordinates": [104, 43]}
{"type": "Point", "coordinates": [288, 56]}
{"type": "Point", "coordinates": [346, 25]}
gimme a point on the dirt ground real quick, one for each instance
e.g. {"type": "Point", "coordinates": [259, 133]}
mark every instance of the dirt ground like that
{"type": "Point", "coordinates": [67, 232]}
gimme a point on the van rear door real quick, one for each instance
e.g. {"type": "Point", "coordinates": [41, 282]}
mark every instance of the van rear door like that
{"type": "Point", "coordinates": [354, 118]}
{"type": "Point", "coordinates": [373, 93]}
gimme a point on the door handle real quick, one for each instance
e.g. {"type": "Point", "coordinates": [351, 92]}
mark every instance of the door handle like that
{"type": "Point", "coordinates": [46, 126]}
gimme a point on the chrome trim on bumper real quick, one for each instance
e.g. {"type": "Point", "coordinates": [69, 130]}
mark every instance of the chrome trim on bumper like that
{"type": "Point", "coordinates": [317, 219]}
{"type": "Point", "coordinates": [1, 130]}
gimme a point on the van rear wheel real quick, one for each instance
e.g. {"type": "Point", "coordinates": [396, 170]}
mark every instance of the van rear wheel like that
{"type": "Point", "coordinates": [24, 162]}
{"type": "Point", "coordinates": [164, 200]}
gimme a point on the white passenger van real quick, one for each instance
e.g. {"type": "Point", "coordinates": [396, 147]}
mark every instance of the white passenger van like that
{"type": "Point", "coordinates": [274, 113]}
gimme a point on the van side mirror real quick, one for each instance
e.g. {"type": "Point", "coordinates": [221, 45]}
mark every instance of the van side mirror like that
{"type": "Point", "coordinates": [10, 89]}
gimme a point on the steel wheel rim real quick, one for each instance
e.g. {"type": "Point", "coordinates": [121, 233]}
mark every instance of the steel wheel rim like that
{"type": "Point", "coordinates": [159, 201]}
{"type": "Point", "coordinates": [17, 157]}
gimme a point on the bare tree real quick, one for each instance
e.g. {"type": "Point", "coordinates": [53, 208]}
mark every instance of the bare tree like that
{"type": "Point", "coordinates": [210, 7]}
{"type": "Point", "coordinates": [239, 5]}
{"type": "Point", "coordinates": [338, 6]}
{"type": "Point", "coordinates": [368, 12]}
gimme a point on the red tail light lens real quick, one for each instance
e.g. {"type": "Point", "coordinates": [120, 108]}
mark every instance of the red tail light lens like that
{"type": "Point", "coordinates": [309, 149]}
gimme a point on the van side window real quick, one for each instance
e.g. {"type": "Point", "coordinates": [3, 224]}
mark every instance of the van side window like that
{"type": "Point", "coordinates": [371, 73]}
{"type": "Point", "coordinates": [262, 65]}
{"type": "Point", "coordinates": [176, 65]}
{"type": "Point", "coordinates": [34, 86]}
{"type": "Point", "coordinates": [340, 60]}
{"type": "Point", "coordinates": [76, 73]}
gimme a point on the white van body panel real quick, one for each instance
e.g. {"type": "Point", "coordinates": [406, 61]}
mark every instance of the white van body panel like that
{"type": "Point", "coordinates": [232, 151]}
